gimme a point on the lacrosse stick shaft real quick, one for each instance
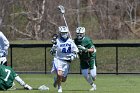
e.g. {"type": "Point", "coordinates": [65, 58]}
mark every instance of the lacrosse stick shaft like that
{"type": "Point", "coordinates": [67, 25]}
{"type": "Point", "coordinates": [62, 10]}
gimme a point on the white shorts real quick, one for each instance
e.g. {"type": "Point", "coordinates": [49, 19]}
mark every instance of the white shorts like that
{"type": "Point", "coordinates": [60, 65]}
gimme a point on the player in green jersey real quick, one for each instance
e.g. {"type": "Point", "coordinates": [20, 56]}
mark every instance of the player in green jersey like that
{"type": "Point", "coordinates": [7, 77]}
{"type": "Point", "coordinates": [87, 55]}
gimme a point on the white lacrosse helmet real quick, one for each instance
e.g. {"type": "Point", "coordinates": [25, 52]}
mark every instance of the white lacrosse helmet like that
{"type": "Point", "coordinates": [63, 30]}
{"type": "Point", "coordinates": [80, 31]}
{"type": "Point", "coordinates": [3, 60]}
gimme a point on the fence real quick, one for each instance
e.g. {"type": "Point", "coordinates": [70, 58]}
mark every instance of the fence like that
{"type": "Point", "coordinates": [116, 46]}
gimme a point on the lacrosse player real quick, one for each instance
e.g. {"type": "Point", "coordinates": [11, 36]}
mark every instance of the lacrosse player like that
{"type": "Point", "coordinates": [65, 51]}
{"type": "Point", "coordinates": [87, 54]}
{"type": "Point", "coordinates": [4, 45]}
{"type": "Point", "coordinates": [7, 77]}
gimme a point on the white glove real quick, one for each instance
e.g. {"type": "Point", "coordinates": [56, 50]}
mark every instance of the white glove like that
{"type": "Point", "coordinates": [71, 57]}
{"type": "Point", "coordinates": [82, 48]}
{"type": "Point", "coordinates": [53, 50]}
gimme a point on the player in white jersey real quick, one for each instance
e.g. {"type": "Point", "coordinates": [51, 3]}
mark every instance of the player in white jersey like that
{"type": "Point", "coordinates": [4, 45]}
{"type": "Point", "coordinates": [65, 51]}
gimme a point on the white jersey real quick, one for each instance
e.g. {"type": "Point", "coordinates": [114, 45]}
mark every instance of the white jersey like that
{"type": "Point", "coordinates": [65, 49]}
{"type": "Point", "coordinates": [4, 43]}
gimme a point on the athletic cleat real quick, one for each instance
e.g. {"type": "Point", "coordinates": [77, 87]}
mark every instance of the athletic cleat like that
{"type": "Point", "coordinates": [93, 87]}
{"type": "Point", "coordinates": [55, 83]}
{"type": "Point", "coordinates": [27, 87]}
{"type": "Point", "coordinates": [60, 89]}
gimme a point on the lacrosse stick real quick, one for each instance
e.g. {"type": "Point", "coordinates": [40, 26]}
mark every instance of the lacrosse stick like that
{"type": "Point", "coordinates": [62, 10]}
{"type": "Point", "coordinates": [0, 20]}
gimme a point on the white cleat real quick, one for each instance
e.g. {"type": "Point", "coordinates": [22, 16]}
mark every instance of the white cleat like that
{"type": "Point", "coordinates": [60, 89]}
{"type": "Point", "coordinates": [93, 87]}
{"type": "Point", "coordinates": [27, 87]}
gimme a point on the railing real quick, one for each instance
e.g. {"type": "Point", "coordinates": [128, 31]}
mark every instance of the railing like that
{"type": "Point", "coordinates": [116, 45]}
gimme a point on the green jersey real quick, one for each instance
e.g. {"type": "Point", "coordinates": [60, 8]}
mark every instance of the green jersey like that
{"type": "Point", "coordinates": [87, 59]}
{"type": "Point", "coordinates": [7, 76]}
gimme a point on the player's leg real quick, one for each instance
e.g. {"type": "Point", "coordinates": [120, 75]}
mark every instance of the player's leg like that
{"type": "Point", "coordinates": [55, 68]}
{"type": "Point", "coordinates": [66, 67]}
{"type": "Point", "coordinates": [58, 64]}
{"type": "Point", "coordinates": [64, 79]}
{"type": "Point", "coordinates": [22, 83]}
{"type": "Point", "coordinates": [93, 74]}
{"type": "Point", "coordinates": [87, 76]}
{"type": "Point", "coordinates": [59, 80]}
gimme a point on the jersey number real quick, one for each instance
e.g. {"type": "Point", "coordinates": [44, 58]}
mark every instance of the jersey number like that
{"type": "Point", "coordinates": [64, 50]}
{"type": "Point", "coordinates": [8, 73]}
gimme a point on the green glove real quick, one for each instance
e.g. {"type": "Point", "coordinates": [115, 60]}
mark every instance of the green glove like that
{"type": "Point", "coordinates": [82, 48]}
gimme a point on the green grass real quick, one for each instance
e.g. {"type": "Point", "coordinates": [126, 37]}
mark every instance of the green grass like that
{"type": "Point", "coordinates": [77, 84]}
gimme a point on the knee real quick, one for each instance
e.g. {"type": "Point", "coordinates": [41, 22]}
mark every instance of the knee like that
{"type": "Point", "coordinates": [59, 73]}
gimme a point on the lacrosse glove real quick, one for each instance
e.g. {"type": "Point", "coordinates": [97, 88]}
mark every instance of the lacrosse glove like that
{"type": "Point", "coordinates": [53, 50]}
{"type": "Point", "coordinates": [71, 57]}
{"type": "Point", "coordinates": [82, 48]}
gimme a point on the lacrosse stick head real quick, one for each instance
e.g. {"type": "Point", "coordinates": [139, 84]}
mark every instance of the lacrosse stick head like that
{"type": "Point", "coordinates": [43, 87]}
{"type": "Point", "coordinates": [61, 8]}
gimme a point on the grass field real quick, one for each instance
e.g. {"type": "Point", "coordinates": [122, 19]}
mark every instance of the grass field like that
{"type": "Point", "coordinates": [77, 84]}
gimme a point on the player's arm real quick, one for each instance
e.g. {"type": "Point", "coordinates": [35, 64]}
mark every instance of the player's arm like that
{"type": "Point", "coordinates": [84, 49]}
{"type": "Point", "coordinates": [92, 49]}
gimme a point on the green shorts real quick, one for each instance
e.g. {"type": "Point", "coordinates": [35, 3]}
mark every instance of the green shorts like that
{"type": "Point", "coordinates": [85, 64]}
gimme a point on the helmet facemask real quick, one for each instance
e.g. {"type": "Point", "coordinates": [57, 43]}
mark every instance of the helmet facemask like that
{"type": "Point", "coordinates": [80, 36]}
{"type": "Point", "coordinates": [64, 35]}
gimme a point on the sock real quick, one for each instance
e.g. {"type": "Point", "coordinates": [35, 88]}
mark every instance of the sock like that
{"type": "Point", "coordinates": [89, 79]}
{"type": "Point", "coordinates": [20, 81]}
{"type": "Point", "coordinates": [92, 84]}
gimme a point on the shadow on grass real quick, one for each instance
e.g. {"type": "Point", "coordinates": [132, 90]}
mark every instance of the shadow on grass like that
{"type": "Point", "coordinates": [22, 89]}
{"type": "Point", "coordinates": [75, 90]}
